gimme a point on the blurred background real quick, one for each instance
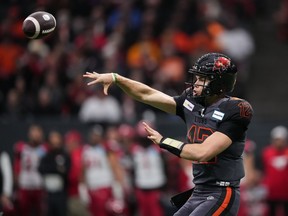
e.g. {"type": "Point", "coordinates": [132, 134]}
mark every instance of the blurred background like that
{"type": "Point", "coordinates": [152, 41]}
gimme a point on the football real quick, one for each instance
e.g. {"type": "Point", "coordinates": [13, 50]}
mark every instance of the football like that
{"type": "Point", "coordinates": [38, 25]}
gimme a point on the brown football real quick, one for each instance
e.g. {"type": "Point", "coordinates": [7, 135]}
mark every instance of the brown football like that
{"type": "Point", "coordinates": [38, 25]}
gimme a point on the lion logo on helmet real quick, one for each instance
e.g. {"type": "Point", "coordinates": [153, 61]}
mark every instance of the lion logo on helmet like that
{"type": "Point", "coordinates": [221, 64]}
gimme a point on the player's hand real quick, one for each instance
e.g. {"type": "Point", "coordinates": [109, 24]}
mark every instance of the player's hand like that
{"type": "Point", "coordinates": [6, 202]}
{"type": "Point", "coordinates": [105, 79]}
{"type": "Point", "coordinates": [83, 194]}
{"type": "Point", "coordinates": [153, 135]}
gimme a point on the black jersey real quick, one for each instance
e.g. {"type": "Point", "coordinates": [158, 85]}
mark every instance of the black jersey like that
{"type": "Point", "coordinates": [230, 116]}
{"type": "Point", "coordinates": [1, 176]}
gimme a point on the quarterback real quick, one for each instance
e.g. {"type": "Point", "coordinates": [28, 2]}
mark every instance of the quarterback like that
{"type": "Point", "coordinates": [216, 131]}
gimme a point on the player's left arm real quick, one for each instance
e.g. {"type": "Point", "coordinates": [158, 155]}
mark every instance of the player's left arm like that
{"type": "Point", "coordinates": [212, 146]}
{"type": "Point", "coordinates": [7, 174]}
{"type": "Point", "coordinates": [233, 127]}
{"type": "Point", "coordinates": [117, 170]}
{"type": "Point", "coordinates": [136, 90]}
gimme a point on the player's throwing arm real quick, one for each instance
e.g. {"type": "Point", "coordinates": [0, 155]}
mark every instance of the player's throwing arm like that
{"type": "Point", "coordinates": [137, 90]}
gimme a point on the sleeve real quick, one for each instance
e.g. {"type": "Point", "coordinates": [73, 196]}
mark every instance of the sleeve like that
{"type": "Point", "coordinates": [238, 115]}
{"type": "Point", "coordinates": [18, 148]}
{"type": "Point", "coordinates": [179, 105]}
{"type": "Point", "coordinates": [6, 168]}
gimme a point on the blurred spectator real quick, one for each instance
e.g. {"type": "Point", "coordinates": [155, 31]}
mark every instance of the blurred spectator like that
{"type": "Point", "coordinates": [54, 168]}
{"type": "Point", "coordinates": [252, 191]}
{"type": "Point", "coordinates": [145, 53]}
{"type": "Point", "coordinates": [275, 160]}
{"type": "Point", "coordinates": [127, 136]}
{"type": "Point", "coordinates": [281, 20]}
{"type": "Point", "coordinates": [100, 174]}
{"type": "Point", "coordinates": [28, 180]}
{"type": "Point", "coordinates": [74, 147]}
{"type": "Point", "coordinates": [76, 93]}
{"type": "Point", "coordinates": [6, 184]}
{"type": "Point", "coordinates": [107, 37]}
{"type": "Point", "coordinates": [170, 74]}
{"type": "Point", "coordinates": [179, 179]}
{"type": "Point", "coordinates": [249, 163]}
{"type": "Point", "coordinates": [51, 83]}
{"type": "Point", "coordinates": [100, 108]}
{"type": "Point", "coordinates": [237, 42]}
{"type": "Point", "coordinates": [13, 107]}
{"type": "Point", "coordinates": [44, 104]}
{"type": "Point", "coordinates": [244, 9]}
{"type": "Point", "coordinates": [124, 12]}
{"type": "Point", "coordinates": [149, 174]}
{"type": "Point", "coordinates": [185, 175]}
{"type": "Point", "coordinates": [12, 23]}
{"type": "Point", "coordinates": [25, 98]}
{"type": "Point", "coordinates": [129, 109]}
{"type": "Point", "coordinates": [9, 54]}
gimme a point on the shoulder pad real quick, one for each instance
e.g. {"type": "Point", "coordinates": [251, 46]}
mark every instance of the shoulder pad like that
{"type": "Point", "coordinates": [238, 108]}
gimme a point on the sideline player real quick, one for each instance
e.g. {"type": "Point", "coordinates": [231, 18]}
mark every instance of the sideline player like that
{"type": "Point", "coordinates": [216, 130]}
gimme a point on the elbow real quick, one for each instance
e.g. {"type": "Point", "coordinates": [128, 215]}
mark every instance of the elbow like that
{"type": "Point", "coordinates": [204, 159]}
{"type": "Point", "coordinates": [199, 153]}
{"type": "Point", "coordinates": [204, 156]}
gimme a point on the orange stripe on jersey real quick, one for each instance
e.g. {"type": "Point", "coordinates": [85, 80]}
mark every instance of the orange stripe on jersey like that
{"type": "Point", "coordinates": [224, 203]}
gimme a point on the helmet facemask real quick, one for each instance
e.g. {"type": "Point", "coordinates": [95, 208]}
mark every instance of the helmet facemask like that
{"type": "Point", "coordinates": [219, 74]}
{"type": "Point", "coordinates": [206, 90]}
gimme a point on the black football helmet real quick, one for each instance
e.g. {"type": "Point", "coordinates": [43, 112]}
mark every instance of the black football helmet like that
{"type": "Point", "coordinates": [219, 69]}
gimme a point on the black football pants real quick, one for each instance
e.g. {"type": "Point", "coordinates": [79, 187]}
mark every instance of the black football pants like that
{"type": "Point", "coordinates": [211, 201]}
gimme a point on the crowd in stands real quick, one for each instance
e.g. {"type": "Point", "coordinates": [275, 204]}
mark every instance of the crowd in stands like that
{"type": "Point", "coordinates": [117, 171]}
{"type": "Point", "coordinates": [153, 41]}
{"type": "Point", "coordinates": [112, 171]}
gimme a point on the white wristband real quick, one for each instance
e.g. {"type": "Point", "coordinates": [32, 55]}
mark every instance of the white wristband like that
{"type": "Point", "coordinates": [114, 77]}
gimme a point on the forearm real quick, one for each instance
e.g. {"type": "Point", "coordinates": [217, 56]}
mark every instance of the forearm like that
{"type": "Point", "coordinates": [6, 169]}
{"type": "Point", "coordinates": [189, 151]}
{"type": "Point", "coordinates": [117, 170]}
{"type": "Point", "coordinates": [202, 152]}
{"type": "Point", "coordinates": [137, 90]}
{"type": "Point", "coordinates": [145, 94]}
{"type": "Point", "coordinates": [195, 152]}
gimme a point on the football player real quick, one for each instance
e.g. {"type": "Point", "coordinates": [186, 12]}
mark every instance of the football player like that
{"type": "Point", "coordinates": [216, 130]}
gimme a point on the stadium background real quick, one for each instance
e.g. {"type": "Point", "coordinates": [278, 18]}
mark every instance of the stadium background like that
{"type": "Point", "coordinates": [265, 84]}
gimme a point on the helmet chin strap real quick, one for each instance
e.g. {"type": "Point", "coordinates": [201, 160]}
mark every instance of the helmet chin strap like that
{"type": "Point", "coordinates": [203, 97]}
{"type": "Point", "coordinates": [200, 99]}
{"type": "Point", "coordinates": [207, 100]}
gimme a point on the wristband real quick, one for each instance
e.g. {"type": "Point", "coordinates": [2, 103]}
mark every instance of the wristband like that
{"type": "Point", "coordinates": [172, 145]}
{"type": "Point", "coordinates": [114, 77]}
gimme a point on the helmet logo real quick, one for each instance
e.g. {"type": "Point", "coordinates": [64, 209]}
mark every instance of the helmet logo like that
{"type": "Point", "coordinates": [221, 64]}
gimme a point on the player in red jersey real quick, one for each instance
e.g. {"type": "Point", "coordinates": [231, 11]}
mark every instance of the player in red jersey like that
{"type": "Point", "coordinates": [29, 182]}
{"type": "Point", "coordinates": [74, 147]}
{"type": "Point", "coordinates": [275, 160]}
{"type": "Point", "coordinates": [100, 173]}
{"type": "Point", "coordinates": [216, 130]}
